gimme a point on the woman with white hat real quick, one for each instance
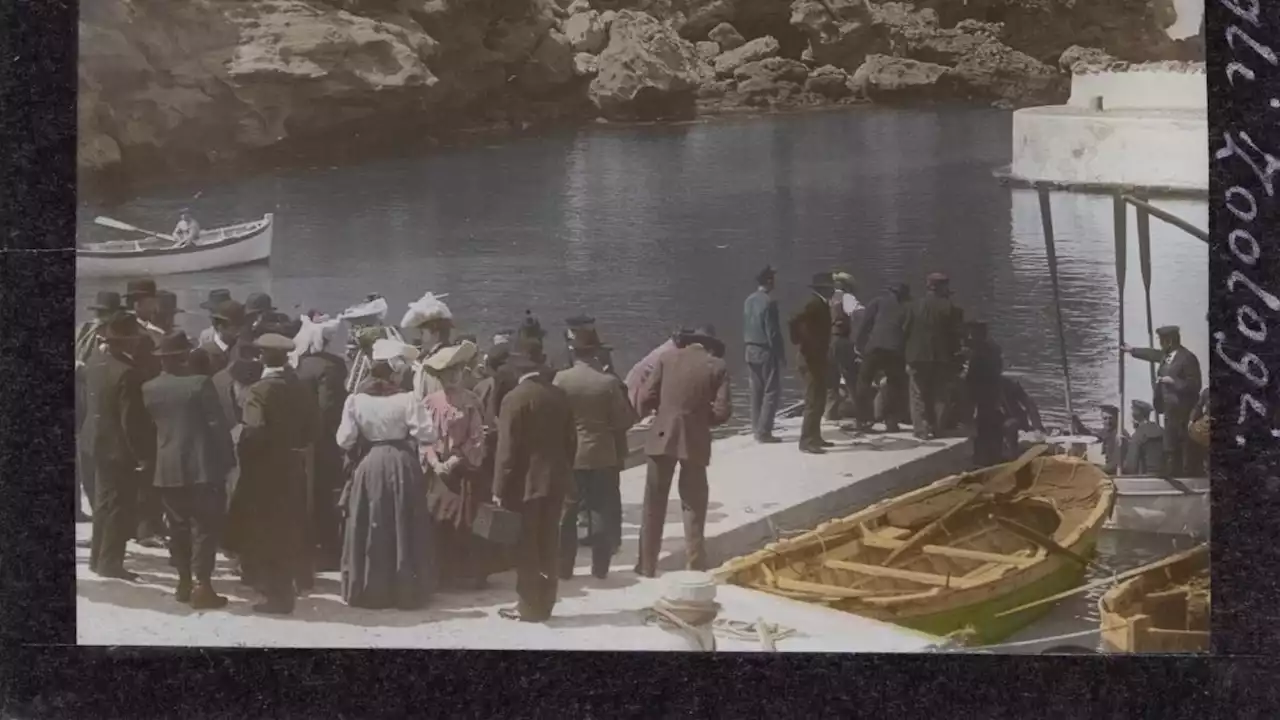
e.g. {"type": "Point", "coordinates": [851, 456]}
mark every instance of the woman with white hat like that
{"type": "Point", "coordinates": [433, 319]}
{"type": "Point", "coordinates": [387, 552]}
{"type": "Point", "coordinates": [365, 326]}
{"type": "Point", "coordinates": [456, 459]}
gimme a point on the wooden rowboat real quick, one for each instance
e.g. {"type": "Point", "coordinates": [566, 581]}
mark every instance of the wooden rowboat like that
{"type": "Point", "coordinates": [238, 244]}
{"type": "Point", "coordinates": [947, 558]}
{"type": "Point", "coordinates": [1163, 610]}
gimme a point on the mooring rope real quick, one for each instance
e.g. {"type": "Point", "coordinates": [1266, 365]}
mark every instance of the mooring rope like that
{"type": "Point", "coordinates": [668, 613]}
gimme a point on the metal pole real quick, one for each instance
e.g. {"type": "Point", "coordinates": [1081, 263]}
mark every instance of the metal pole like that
{"type": "Point", "coordinates": [1046, 219]}
{"type": "Point", "coordinates": [1169, 217]}
{"type": "Point", "coordinates": [1144, 261]}
{"type": "Point", "coordinates": [1122, 267]}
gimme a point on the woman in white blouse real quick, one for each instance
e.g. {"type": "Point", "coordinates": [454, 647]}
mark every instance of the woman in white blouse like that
{"type": "Point", "coordinates": [387, 554]}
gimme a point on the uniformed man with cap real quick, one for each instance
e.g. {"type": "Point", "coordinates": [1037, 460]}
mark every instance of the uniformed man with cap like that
{"type": "Point", "coordinates": [1145, 454]}
{"type": "Point", "coordinates": [1176, 392]}
{"type": "Point", "coordinates": [1115, 440]}
{"type": "Point", "coordinates": [268, 506]}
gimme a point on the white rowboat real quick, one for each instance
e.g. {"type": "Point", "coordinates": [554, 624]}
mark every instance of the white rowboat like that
{"type": "Point", "coordinates": [239, 244]}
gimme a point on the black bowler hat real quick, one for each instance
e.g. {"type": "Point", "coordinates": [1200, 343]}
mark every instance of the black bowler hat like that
{"type": "Point", "coordinates": [167, 302]}
{"type": "Point", "coordinates": [174, 343]}
{"type": "Point", "coordinates": [1168, 330]}
{"type": "Point", "coordinates": [145, 287]}
{"type": "Point", "coordinates": [588, 339]}
{"type": "Point", "coordinates": [107, 301]}
{"type": "Point", "coordinates": [229, 310]}
{"type": "Point", "coordinates": [706, 337]}
{"type": "Point", "coordinates": [258, 302]}
{"type": "Point", "coordinates": [218, 295]}
{"type": "Point", "coordinates": [580, 322]}
{"type": "Point", "coordinates": [122, 327]}
{"type": "Point", "coordinates": [767, 274]}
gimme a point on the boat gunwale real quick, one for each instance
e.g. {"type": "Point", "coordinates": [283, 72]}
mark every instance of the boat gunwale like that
{"type": "Point", "coordinates": [264, 224]}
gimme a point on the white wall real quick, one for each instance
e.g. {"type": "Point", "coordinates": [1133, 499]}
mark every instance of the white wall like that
{"type": "Point", "coordinates": [1151, 148]}
{"type": "Point", "coordinates": [1138, 88]}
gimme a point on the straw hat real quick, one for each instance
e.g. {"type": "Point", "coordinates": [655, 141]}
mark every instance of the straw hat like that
{"type": "Point", "coordinates": [425, 309]}
{"type": "Point", "coordinates": [452, 356]}
{"type": "Point", "coordinates": [387, 348]}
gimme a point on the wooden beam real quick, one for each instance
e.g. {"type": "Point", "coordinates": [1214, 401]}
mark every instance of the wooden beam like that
{"type": "Point", "coordinates": [821, 589]}
{"type": "Point", "coordinates": [891, 573]}
{"type": "Point", "coordinates": [978, 555]}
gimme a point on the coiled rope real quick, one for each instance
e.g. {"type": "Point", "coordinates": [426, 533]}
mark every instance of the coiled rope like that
{"type": "Point", "coordinates": [685, 616]}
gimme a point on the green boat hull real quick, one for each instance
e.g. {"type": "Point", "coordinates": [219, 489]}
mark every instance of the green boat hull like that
{"type": "Point", "coordinates": [981, 617]}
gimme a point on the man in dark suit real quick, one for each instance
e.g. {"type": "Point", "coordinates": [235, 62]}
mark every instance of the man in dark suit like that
{"type": "Point", "coordinates": [229, 323]}
{"type": "Point", "coordinates": [881, 342]}
{"type": "Point", "coordinates": [268, 507]}
{"type": "Point", "coordinates": [1145, 452]}
{"type": "Point", "coordinates": [982, 390]}
{"type": "Point", "coordinates": [324, 375]}
{"type": "Point", "coordinates": [215, 298]}
{"type": "Point", "coordinates": [1176, 392]}
{"type": "Point", "coordinates": [765, 354]}
{"type": "Point", "coordinates": [811, 333]}
{"type": "Point", "coordinates": [143, 300]}
{"type": "Point", "coordinates": [689, 390]}
{"type": "Point", "coordinates": [88, 339]}
{"type": "Point", "coordinates": [603, 415]}
{"type": "Point", "coordinates": [532, 474]}
{"type": "Point", "coordinates": [585, 325]}
{"type": "Point", "coordinates": [932, 327]}
{"type": "Point", "coordinates": [193, 453]}
{"type": "Point", "coordinates": [120, 438]}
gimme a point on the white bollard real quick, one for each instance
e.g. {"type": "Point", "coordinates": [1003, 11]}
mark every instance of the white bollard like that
{"type": "Point", "coordinates": [687, 610]}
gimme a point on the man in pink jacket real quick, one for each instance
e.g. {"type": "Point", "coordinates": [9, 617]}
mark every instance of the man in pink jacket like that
{"type": "Point", "coordinates": [639, 374]}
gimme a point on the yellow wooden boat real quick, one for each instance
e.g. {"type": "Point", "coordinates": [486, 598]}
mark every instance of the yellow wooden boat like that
{"type": "Point", "coordinates": [1162, 610]}
{"type": "Point", "coordinates": [945, 559]}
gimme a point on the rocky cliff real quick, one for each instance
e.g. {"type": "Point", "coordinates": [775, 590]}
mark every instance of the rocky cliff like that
{"type": "Point", "coordinates": [170, 87]}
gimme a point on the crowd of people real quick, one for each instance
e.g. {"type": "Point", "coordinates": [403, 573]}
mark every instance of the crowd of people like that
{"type": "Point", "coordinates": [410, 467]}
{"type": "Point", "coordinates": [425, 465]}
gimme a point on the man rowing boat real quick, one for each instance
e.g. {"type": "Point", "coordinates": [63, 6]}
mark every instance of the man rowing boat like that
{"type": "Point", "coordinates": [187, 230]}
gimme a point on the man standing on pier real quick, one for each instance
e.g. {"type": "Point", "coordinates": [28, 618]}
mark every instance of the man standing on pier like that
{"type": "Point", "coordinates": [193, 455]}
{"type": "Point", "coordinates": [144, 301]}
{"type": "Point", "coordinates": [1145, 453]}
{"type": "Point", "coordinates": [1176, 392]}
{"type": "Point", "coordinates": [765, 355]}
{"type": "Point", "coordinates": [689, 390]}
{"type": "Point", "coordinates": [268, 506]}
{"type": "Point", "coordinates": [603, 416]}
{"type": "Point", "coordinates": [533, 472]}
{"type": "Point", "coordinates": [88, 339]}
{"type": "Point", "coordinates": [120, 438]}
{"type": "Point", "coordinates": [216, 297]}
{"type": "Point", "coordinates": [228, 318]}
{"type": "Point", "coordinates": [1115, 441]}
{"type": "Point", "coordinates": [932, 326]}
{"type": "Point", "coordinates": [881, 341]}
{"type": "Point", "coordinates": [811, 333]}
{"type": "Point", "coordinates": [982, 386]}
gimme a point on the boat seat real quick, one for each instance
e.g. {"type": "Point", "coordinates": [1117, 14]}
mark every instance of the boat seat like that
{"type": "Point", "coordinates": [923, 578]}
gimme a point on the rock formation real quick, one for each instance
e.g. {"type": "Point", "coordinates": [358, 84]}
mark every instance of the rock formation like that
{"type": "Point", "coordinates": [179, 86]}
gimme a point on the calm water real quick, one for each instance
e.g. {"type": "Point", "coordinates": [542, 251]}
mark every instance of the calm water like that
{"type": "Point", "coordinates": [652, 227]}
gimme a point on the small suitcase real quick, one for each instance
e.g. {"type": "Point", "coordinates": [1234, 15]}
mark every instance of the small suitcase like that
{"type": "Point", "coordinates": [496, 525]}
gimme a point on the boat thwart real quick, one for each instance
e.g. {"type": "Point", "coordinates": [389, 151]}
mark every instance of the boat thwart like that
{"type": "Point", "coordinates": [1163, 609]}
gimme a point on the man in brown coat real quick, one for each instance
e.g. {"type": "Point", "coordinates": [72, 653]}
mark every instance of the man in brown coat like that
{"type": "Point", "coordinates": [689, 389]}
{"type": "Point", "coordinates": [532, 474]}
{"type": "Point", "coordinates": [603, 414]}
{"type": "Point", "coordinates": [811, 333]}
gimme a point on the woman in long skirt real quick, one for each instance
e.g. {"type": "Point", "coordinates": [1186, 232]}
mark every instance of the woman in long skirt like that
{"type": "Point", "coordinates": [456, 460]}
{"type": "Point", "coordinates": [387, 553]}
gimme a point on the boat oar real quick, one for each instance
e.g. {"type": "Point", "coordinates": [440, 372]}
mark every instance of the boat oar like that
{"type": "Point", "coordinates": [1043, 541]}
{"type": "Point", "coordinates": [1051, 253]}
{"type": "Point", "coordinates": [923, 534]}
{"type": "Point", "coordinates": [1108, 580]}
{"type": "Point", "coordinates": [118, 225]}
{"type": "Point", "coordinates": [1144, 264]}
{"type": "Point", "coordinates": [1121, 219]}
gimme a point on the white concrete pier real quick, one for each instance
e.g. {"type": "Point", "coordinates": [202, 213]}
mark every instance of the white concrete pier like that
{"type": "Point", "coordinates": [756, 491]}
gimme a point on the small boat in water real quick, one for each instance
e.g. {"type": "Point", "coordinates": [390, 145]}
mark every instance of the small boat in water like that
{"type": "Point", "coordinates": [1164, 609]}
{"type": "Point", "coordinates": [945, 559]}
{"type": "Point", "coordinates": [239, 244]}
